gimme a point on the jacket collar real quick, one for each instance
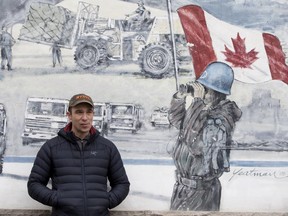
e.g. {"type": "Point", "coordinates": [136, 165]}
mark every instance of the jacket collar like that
{"type": "Point", "coordinates": [68, 128]}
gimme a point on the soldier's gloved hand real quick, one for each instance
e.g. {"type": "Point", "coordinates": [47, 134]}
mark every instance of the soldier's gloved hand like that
{"type": "Point", "coordinates": [199, 90]}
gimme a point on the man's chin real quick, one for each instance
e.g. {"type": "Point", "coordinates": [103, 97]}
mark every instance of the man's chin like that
{"type": "Point", "coordinates": [86, 128]}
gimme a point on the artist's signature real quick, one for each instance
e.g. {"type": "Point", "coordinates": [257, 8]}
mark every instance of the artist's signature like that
{"type": "Point", "coordinates": [277, 174]}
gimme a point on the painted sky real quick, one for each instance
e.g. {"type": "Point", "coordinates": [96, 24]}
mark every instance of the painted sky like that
{"type": "Point", "coordinates": [265, 15]}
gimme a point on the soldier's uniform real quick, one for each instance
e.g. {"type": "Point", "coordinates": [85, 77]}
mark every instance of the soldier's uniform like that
{"type": "Point", "coordinates": [201, 153]}
{"type": "Point", "coordinates": [7, 41]}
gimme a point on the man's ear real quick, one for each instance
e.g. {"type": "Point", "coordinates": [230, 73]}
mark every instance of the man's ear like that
{"type": "Point", "coordinates": [68, 115]}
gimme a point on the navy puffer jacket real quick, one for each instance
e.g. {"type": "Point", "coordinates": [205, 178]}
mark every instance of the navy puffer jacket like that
{"type": "Point", "coordinates": [79, 178]}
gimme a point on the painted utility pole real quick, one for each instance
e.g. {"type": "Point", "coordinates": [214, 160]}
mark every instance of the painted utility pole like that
{"type": "Point", "coordinates": [173, 42]}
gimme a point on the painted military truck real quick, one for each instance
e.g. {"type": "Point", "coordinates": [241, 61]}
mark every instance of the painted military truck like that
{"type": "Point", "coordinates": [99, 40]}
{"type": "Point", "coordinates": [159, 117]}
{"type": "Point", "coordinates": [3, 132]}
{"type": "Point", "coordinates": [125, 117]}
{"type": "Point", "coordinates": [100, 119]}
{"type": "Point", "coordinates": [44, 117]}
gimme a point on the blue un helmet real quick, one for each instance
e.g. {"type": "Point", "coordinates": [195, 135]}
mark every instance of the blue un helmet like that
{"type": "Point", "coordinates": [217, 76]}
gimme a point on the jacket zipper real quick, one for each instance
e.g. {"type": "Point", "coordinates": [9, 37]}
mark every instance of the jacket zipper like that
{"type": "Point", "coordinates": [83, 177]}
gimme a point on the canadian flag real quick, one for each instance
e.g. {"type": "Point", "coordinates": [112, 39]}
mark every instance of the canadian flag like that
{"type": "Point", "coordinates": [254, 56]}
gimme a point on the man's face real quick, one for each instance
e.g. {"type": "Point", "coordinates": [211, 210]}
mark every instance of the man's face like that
{"type": "Point", "coordinates": [81, 117]}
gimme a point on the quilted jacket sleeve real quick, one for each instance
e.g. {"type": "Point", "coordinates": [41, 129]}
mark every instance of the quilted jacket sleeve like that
{"type": "Point", "coordinates": [39, 177]}
{"type": "Point", "coordinates": [118, 179]}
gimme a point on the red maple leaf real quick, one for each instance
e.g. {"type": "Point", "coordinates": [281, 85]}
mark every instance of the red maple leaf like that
{"type": "Point", "coordinates": [240, 58]}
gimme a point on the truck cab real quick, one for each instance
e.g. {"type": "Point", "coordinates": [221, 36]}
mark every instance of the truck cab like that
{"type": "Point", "coordinates": [100, 121]}
{"type": "Point", "coordinates": [125, 116]}
{"type": "Point", "coordinates": [3, 129]}
{"type": "Point", "coordinates": [44, 117]}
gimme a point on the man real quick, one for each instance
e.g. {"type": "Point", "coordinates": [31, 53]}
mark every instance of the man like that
{"type": "Point", "coordinates": [201, 153]}
{"type": "Point", "coordinates": [136, 19]}
{"type": "Point", "coordinates": [79, 162]}
{"type": "Point", "coordinates": [6, 42]}
{"type": "Point", "coordinates": [56, 54]}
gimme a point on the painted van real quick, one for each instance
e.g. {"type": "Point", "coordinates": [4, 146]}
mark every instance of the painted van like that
{"type": "Point", "coordinates": [100, 121]}
{"type": "Point", "coordinates": [43, 119]}
{"type": "Point", "coordinates": [125, 116]}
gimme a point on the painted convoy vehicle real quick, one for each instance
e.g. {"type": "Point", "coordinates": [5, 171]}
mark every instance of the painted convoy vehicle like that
{"type": "Point", "coordinates": [159, 117]}
{"type": "Point", "coordinates": [125, 116]}
{"type": "Point", "coordinates": [43, 119]}
{"type": "Point", "coordinates": [3, 129]}
{"type": "Point", "coordinates": [100, 119]}
{"type": "Point", "coordinates": [98, 40]}
{"type": "Point", "coordinates": [117, 116]}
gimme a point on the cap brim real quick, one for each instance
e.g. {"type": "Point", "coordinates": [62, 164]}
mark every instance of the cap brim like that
{"type": "Point", "coordinates": [81, 101]}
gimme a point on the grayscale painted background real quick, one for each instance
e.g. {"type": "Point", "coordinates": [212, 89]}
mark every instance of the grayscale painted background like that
{"type": "Point", "coordinates": [258, 177]}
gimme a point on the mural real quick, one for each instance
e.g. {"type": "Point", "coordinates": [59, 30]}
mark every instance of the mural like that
{"type": "Point", "coordinates": [190, 140]}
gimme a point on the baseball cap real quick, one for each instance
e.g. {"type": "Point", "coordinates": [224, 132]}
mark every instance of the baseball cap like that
{"type": "Point", "coordinates": [80, 98]}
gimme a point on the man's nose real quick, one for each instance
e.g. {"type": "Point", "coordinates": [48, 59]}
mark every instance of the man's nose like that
{"type": "Point", "coordinates": [85, 116]}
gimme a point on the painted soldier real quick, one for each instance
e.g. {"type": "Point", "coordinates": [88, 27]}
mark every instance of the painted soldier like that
{"type": "Point", "coordinates": [56, 54]}
{"type": "Point", "coordinates": [201, 153]}
{"type": "Point", "coordinates": [6, 42]}
{"type": "Point", "coordinates": [138, 17]}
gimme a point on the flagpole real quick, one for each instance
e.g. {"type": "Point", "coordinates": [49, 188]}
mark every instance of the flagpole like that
{"type": "Point", "coordinates": [173, 42]}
